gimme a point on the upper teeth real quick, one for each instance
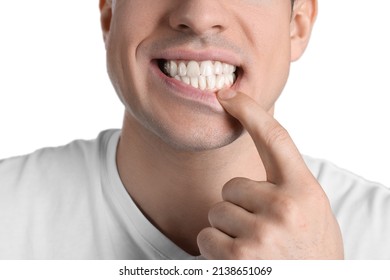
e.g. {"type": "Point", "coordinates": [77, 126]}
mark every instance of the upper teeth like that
{"type": "Point", "coordinates": [211, 75]}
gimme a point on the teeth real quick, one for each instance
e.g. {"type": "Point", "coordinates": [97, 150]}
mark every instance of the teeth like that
{"type": "Point", "coordinates": [206, 68]}
{"type": "Point", "coordinates": [193, 69]}
{"type": "Point", "coordinates": [220, 82]}
{"type": "Point", "coordinates": [211, 82]}
{"type": "Point", "coordinates": [186, 80]}
{"type": "Point", "coordinates": [202, 82]}
{"type": "Point", "coordinates": [218, 68]}
{"type": "Point", "coordinates": [195, 82]}
{"type": "Point", "coordinates": [171, 68]}
{"type": "Point", "coordinates": [182, 69]}
{"type": "Point", "coordinates": [203, 75]}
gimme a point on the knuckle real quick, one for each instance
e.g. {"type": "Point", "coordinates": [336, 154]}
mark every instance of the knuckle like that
{"type": "Point", "coordinates": [264, 233]}
{"type": "Point", "coordinates": [276, 135]}
{"type": "Point", "coordinates": [317, 198]}
{"type": "Point", "coordinates": [286, 208]}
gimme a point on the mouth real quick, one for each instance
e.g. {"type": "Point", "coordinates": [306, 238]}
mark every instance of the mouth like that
{"type": "Point", "coordinates": [203, 75]}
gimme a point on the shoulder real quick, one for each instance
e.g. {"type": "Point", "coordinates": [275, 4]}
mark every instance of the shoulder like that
{"type": "Point", "coordinates": [51, 201]}
{"type": "Point", "coordinates": [341, 184]}
{"type": "Point", "coordinates": [52, 166]}
{"type": "Point", "coordinates": [361, 207]}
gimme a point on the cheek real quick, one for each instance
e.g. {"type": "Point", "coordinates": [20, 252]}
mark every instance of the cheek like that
{"type": "Point", "coordinates": [126, 62]}
{"type": "Point", "coordinates": [119, 68]}
{"type": "Point", "coordinates": [264, 32]}
{"type": "Point", "coordinates": [272, 63]}
{"type": "Point", "coordinates": [123, 68]}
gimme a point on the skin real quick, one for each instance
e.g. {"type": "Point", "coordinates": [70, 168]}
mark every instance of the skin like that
{"type": "Point", "coordinates": [220, 176]}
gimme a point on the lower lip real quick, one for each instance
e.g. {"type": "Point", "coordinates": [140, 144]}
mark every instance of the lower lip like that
{"type": "Point", "coordinates": [187, 92]}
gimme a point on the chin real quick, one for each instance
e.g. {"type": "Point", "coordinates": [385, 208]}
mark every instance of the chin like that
{"type": "Point", "coordinates": [197, 140]}
{"type": "Point", "coordinates": [181, 130]}
{"type": "Point", "coordinates": [198, 144]}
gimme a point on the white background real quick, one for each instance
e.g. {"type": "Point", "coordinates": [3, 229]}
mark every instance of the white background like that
{"type": "Point", "coordinates": [54, 87]}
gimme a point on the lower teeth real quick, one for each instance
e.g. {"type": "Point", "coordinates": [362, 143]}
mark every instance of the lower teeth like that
{"type": "Point", "coordinates": [215, 82]}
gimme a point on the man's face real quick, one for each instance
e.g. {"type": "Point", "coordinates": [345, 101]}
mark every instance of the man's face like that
{"type": "Point", "coordinates": [147, 39]}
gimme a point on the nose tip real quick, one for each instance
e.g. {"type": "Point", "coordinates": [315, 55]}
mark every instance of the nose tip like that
{"type": "Point", "coordinates": [201, 17]}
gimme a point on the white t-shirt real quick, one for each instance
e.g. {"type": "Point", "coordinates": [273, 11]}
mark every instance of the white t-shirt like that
{"type": "Point", "coordinates": [69, 203]}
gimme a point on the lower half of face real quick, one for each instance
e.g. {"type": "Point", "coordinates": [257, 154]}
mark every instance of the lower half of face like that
{"type": "Point", "coordinates": [172, 97]}
{"type": "Point", "coordinates": [182, 116]}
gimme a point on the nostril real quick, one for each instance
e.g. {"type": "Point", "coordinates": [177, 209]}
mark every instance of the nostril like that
{"type": "Point", "coordinates": [197, 29]}
{"type": "Point", "coordinates": [183, 27]}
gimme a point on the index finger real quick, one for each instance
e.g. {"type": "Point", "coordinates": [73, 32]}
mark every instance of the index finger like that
{"type": "Point", "coordinates": [277, 150]}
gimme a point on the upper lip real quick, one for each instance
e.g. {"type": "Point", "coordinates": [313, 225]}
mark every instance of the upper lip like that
{"type": "Point", "coordinates": [199, 55]}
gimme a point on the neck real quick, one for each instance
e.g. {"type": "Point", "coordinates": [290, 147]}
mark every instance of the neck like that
{"type": "Point", "coordinates": [176, 189]}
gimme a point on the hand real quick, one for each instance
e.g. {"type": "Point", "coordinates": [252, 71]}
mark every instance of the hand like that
{"type": "Point", "coordinates": [286, 217]}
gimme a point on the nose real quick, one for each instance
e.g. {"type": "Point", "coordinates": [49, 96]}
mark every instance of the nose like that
{"type": "Point", "coordinates": [198, 17]}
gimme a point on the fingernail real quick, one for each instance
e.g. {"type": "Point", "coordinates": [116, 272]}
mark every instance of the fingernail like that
{"type": "Point", "coordinates": [226, 94]}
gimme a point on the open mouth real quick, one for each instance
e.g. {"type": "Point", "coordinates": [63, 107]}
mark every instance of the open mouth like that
{"type": "Point", "coordinates": [204, 75]}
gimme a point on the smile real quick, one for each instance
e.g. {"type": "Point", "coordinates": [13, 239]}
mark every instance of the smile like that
{"type": "Point", "coordinates": [204, 75]}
